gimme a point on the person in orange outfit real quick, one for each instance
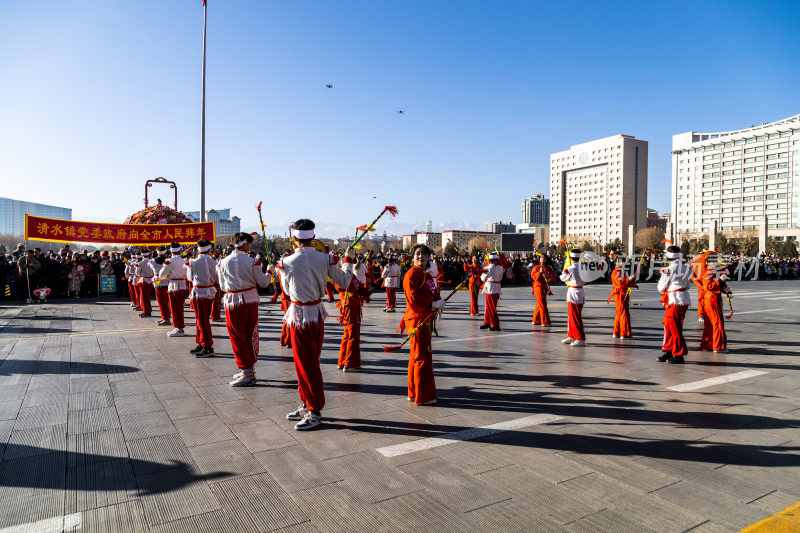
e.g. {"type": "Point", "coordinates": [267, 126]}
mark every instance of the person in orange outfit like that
{"type": "Point", "coordinates": [713, 284]}
{"type": "Point", "coordinates": [349, 304]}
{"type": "Point", "coordinates": [620, 294]}
{"type": "Point", "coordinates": [474, 272]}
{"type": "Point", "coordinates": [422, 298]}
{"type": "Point", "coordinates": [542, 275]}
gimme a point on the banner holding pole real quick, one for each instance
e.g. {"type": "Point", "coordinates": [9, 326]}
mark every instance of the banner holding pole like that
{"type": "Point", "coordinates": [53, 229]}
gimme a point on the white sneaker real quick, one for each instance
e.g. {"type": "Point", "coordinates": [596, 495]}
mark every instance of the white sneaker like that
{"type": "Point", "coordinates": [578, 342]}
{"type": "Point", "coordinates": [615, 336]}
{"type": "Point", "coordinates": [310, 421]}
{"type": "Point", "coordinates": [568, 340]}
{"type": "Point", "coordinates": [722, 351]}
{"type": "Point", "coordinates": [700, 319]}
{"type": "Point", "coordinates": [176, 333]}
{"type": "Point", "coordinates": [244, 379]}
{"type": "Point", "coordinates": [299, 414]}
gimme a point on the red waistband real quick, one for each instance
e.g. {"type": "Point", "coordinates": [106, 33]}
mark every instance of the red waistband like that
{"type": "Point", "coordinates": [203, 286]}
{"type": "Point", "coordinates": [575, 286]}
{"type": "Point", "coordinates": [240, 290]}
{"type": "Point", "coordinates": [490, 281]}
{"type": "Point", "coordinates": [679, 290]}
{"type": "Point", "coordinates": [315, 302]}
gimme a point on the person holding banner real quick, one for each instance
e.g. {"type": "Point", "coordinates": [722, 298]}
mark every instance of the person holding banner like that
{"type": "Point", "coordinates": [174, 272]}
{"type": "Point", "coordinates": [620, 293]}
{"type": "Point", "coordinates": [202, 274]}
{"type": "Point", "coordinates": [673, 287]}
{"type": "Point", "coordinates": [239, 277]}
{"type": "Point", "coordinates": [474, 272]}
{"type": "Point", "coordinates": [143, 271]}
{"type": "Point", "coordinates": [162, 295]}
{"type": "Point", "coordinates": [391, 280]}
{"type": "Point", "coordinates": [304, 276]}
{"type": "Point", "coordinates": [542, 276]}
{"type": "Point", "coordinates": [491, 288]}
{"type": "Point", "coordinates": [573, 275]}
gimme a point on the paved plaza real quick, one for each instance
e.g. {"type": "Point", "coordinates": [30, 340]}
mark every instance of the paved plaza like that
{"type": "Point", "coordinates": [107, 425]}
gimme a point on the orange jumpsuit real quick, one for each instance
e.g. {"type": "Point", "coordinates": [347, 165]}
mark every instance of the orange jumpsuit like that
{"type": "Point", "coordinates": [420, 290]}
{"type": "Point", "coordinates": [714, 325]}
{"type": "Point", "coordinates": [622, 316]}
{"type": "Point", "coordinates": [474, 272]}
{"type": "Point", "coordinates": [349, 304]}
{"type": "Point", "coordinates": [541, 276]}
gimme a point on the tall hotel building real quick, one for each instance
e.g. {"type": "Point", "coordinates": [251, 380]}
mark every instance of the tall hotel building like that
{"type": "Point", "coordinates": [598, 189]}
{"type": "Point", "coordinates": [737, 177]}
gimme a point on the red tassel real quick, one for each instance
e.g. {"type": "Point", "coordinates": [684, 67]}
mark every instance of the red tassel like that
{"type": "Point", "coordinates": [391, 209]}
{"type": "Point", "coordinates": [390, 349]}
{"type": "Point", "coordinates": [259, 205]}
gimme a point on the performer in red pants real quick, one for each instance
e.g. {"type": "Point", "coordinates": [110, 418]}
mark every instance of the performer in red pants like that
{"type": "Point", "coordinates": [620, 293]}
{"type": "Point", "coordinates": [542, 276]}
{"type": "Point", "coordinates": [202, 274]}
{"type": "Point", "coordinates": [673, 287]}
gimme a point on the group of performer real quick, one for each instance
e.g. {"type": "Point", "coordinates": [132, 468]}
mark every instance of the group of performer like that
{"type": "Point", "coordinates": [306, 274]}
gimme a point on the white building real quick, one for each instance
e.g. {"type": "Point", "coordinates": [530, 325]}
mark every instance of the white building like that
{"type": "Point", "coordinates": [598, 189]}
{"type": "Point", "coordinates": [737, 177]}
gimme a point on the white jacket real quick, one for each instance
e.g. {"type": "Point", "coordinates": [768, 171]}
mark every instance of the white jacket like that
{"type": "Point", "coordinates": [674, 282]}
{"type": "Point", "coordinates": [391, 275]}
{"type": "Point", "coordinates": [202, 274]}
{"type": "Point", "coordinates": [174, 271]}
{"type": "Point", "coordinates": [304, 275]}
{"type": "Point", "coordinates": [574, 276]}
{"type": "Point", "coordinates": [491, 279]}
{"type": "Point", "coordinates": [143, 271]}
{"type": "Point", "coordinates": [238, 277]}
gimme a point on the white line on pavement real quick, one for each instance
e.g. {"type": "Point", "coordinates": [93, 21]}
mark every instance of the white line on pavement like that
{"type": "Point", "coordinates": [703, 383]}
{"type": "Point", "coordinates": [48, 525]}
{"type": "Point", "coordinates": [757, 311]}
{"type": "Point", "coordinates": [467, 434]}
{"type": "Point", "coordinates": [487, 336]}
{"type": "Point", "coordinates": [781, 297]}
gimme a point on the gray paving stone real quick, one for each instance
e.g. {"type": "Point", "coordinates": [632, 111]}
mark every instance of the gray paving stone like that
{"type": "Point", "coordinates": [416, 510]}
{"type": "Point", "coordinates": [238, 411]}
{"type": "Point", "coordinates": [127, 517]}
{"type": "Point", "coordinates": [27, 509]}
{"type": "Point", "coordinates": [157, 377]}
{"type": "Point", "coordinates": [36, 398]}
{"type": "Point", "coordinates": [607, 521]}
{"type": "Point", "coordinates": [295, 468]}
{"type": "Point", "coordinates": [244, 501]}
{"type": "Point", "coordinates": [87, 448]}
{"type": "Point", "coordinates": [36, 441]}
{"type": "Point", "coordinates": [374, 479]}
{"type": "Point", "coordinates": [99, 484]}
{"type": "Point", "coordinates": [44, 415]}
{"type": "Point", "coordinates": [142, 425]}
{"type": "Point", "coordinates": [130, 387]}
{"type": "Point", "coordinates": [92, 420]}
{"type": "Point", "coordinates": [219, 393]}
{"type": "Point", "coordinates": [213, 522]}
{"type": "Point", "coordinates": [9, 409]}
{"type": "Point", "coordinates": [141, 403]}
{"type": "Point", "coordinates": [225, 459]}
{"type": "Point", "coordinates": [774, 502]}
{"type": "Point", "coordinates": [174, 494]}
{"type": "Point", "coordinates": [13, 392]}
{"type": "Point", "coordinates": [160, 453]}
{"type": "Point", "coordinates": [203, 429]}
{"type": "Point", "coordinates": [623, 469]}
{"type": "Point", "coordinates": [93, 383]}
{"type": "Point", "coordinates": [191, 407]}
{"type": "Point", "coordinates": [262, 435]}
{"type": "Point", "coordinates": [510, 517]}
{"type": "Point", "coordinates": [30, 476]}
{"type": "Point", "coordinates": [170, 391]}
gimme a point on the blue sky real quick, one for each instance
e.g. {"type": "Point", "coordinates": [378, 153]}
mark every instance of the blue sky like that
{"type": "Point", "coordinates": [98, 96]}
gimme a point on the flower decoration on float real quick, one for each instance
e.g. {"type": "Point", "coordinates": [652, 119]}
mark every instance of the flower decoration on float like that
{"type": "Point", "coordinates": [158, 214]}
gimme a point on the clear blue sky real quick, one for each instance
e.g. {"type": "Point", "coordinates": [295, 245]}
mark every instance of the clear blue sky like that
{"type": "Point", "coordinates": [98, 96]}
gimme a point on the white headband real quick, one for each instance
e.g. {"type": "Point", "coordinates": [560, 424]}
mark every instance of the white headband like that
{"type": "Point", "coordinates": [494, 256]}
{"type": "Point", "coordinates": [175, 250]}
{"type": "Point", "coordinates": [146, 254]}
{"type": "Point", "coordinates": [162, 252]}
{"type": "Point", "coordinates": [575, 255]}
{"type": "Point", "coordinates": [241, 243]}
{"type": "Point", "coordinates": [303, 234]}
{"type": "Point", "coordinates": [673, 255]}
{"type": "Point", "coordinates": [203, 248]}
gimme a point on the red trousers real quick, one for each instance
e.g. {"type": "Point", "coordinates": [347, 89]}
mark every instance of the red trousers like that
{"type": "Point", "coordinates": [391, 297]}
{"type": "Point", "coordinates": [674, 342]}
{"type": "Point", "coordinates": [177, 300]}
{"type": "Point", "coordinates": [421, 385]}
{"type": "Point", "coordinates": [575, 322]}
{"type": "Point", "coordinates": [700, 298]}
{"type": "Point", "coordinates": [133, 294]}
{"type": "Point", "coordinates": [202, 314]}
{"type": "Point", "coordinates": [242, 323]}
{"type": "Point", "coordinates": [217, 305]}
{"type": "Point", "coordinates": [162, 297]}
{"type": "Point", "coordinates": [350, 349]}
{"type": "Point", "coordinates": [540, 314]}
{"type": "Point", "coordinates": [622, 316]}
{"type": "Point", "coordinates": [714, 337]}
{"type": "Point", "coordinates": [306, 348]}
{"type": "Point", "coordinates": [286, 338]}
{"type": "Point", "coordinates": [490, 315]}
{"type": "Point", "coordinates": [329, 290]}
{"type": "Point", "coordinates": [145, 290]}
{"type": "Point", "coordinates": [474, 291]}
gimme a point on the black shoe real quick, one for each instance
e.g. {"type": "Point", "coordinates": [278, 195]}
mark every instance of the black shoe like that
{"type": "Point", "coordinates": [665, 356]}
{"type": "Point", "coordinates": [496, 328]}
{"type": "Point", "coordinates": [205, 352]}
{"type": "Point", "coordinates": [676, 360]}
{"type": "Point", "coordinates": [197, 349]}
{"type": "Point", "coordinates": [165, 322]}
{"type": "Point", "coordinates": [485, 326]}
{"type": "Point", "coordinates": [137, 308]}
{"type": "Point", "coordinates": [145, 315]}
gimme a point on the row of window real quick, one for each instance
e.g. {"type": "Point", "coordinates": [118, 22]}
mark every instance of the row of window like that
{"type": "Point", "coordinates": [740, 142]}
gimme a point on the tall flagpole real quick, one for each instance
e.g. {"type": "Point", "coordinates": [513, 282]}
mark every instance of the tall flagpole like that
{"type": "Point", "coordinates": [203, 124]}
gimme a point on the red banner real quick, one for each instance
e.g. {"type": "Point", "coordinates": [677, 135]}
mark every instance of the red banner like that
{"type": "Point", "coordinates": [53, 229]}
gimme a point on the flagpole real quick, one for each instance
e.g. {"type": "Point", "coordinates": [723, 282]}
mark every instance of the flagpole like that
{"type": "Point", "coordinates": [203, 124]}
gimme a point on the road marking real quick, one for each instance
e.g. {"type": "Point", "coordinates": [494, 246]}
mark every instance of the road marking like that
{"type": "Point", "coordinates": [48, 525]}
{"type": "Point", "coordinates": [99, 332]}
{"type": "Point", "coordinates": [782, 297]}
{"type": "Point", "coordinates": [703, 383]}
{"type": "Point", "coordinates": [785, 521]}
{"type": "Point", "coordinates": [487, 336]}
{"type": "Point", "coordinates": [758, 311]}
{"type": "Point", "coordinates": [467, 434]}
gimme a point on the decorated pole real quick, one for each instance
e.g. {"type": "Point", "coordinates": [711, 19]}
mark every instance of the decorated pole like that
{"type": "Point", "coordinates": [392, 210]}
{"type": "Point", "coordinates": [430, 316]}
{"type": "Point", "coordinates": [264, 234]}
